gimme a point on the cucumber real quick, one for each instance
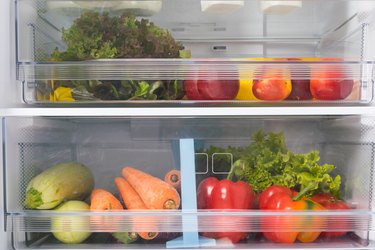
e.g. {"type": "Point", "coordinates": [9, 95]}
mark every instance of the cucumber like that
{"type": "Point", "coordinates": [61, 182]}
{"type": "Point", "coordinates": [67, 229]}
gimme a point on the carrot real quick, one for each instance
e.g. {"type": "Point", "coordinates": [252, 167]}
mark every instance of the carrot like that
{"type": "Point", "coordinates": [132, 202]}
{"type": "Point", "coordinates": [104, 200]}
{"type": "Point", "coordinates": [173, 177]}
{"type": "Point", "coordinates": [155, 193]}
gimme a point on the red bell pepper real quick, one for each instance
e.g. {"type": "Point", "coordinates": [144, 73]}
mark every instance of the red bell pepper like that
{"type": "Point", "coordinates": [282, 198]}
{"type": "Point", "coordinates": [342, 224]}
{"type": "Point", "coordinates": [225, 194]}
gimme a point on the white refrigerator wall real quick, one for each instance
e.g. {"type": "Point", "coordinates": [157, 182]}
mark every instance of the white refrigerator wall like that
{"type": "Point", "coordinates": [4, 49]}
{"type": "Point", "coordinates": [6, 67]}
{"type": "Point", "coordinates": [4, 238]}
{"type": "Point", "coordinates": [9, 91]}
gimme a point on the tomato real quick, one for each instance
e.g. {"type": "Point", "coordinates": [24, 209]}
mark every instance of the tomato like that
{"type": "Point", "coordinates": [272, 89]}
{"type": "Point", "coordinates": [211, 89]}
{"type": "Point", "coordinates": [323, 89]}
{"type": "Point", "coordinates": [330, 83]}
{"type": "Point", "coordinates": [323, 198]}
{"type": "Point", "coordinates": [272, 84]}
{"type": "Point", "coordinates": [330, 202]}
{"type": "Point", "coordinates": [300, 90]}
{"type": "Point", "coordinates": [192, 91]}
{"type": "Point", "coordinates": [300, 87]}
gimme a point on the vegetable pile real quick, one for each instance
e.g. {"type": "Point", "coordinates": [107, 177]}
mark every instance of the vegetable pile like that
{"type": "Point", "coordinates": [282, 180]}
{"type": "Point", "coordinates": [265, 175]}
{"type": "Point", "coordinates": [65, 187]}
{"type": "Point", "coordinates": [100, 35]}
{"type": "Point", "coordinates": [97, 36]}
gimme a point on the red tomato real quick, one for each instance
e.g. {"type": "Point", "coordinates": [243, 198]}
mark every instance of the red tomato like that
{"type": "Point", "coordinates": [330, 202]}
{"type": "Point", "coordinates": [211, 89]}
{"type": "Point", "coordinates": [272, 84]}
{"type": "Point", "coordinates": [300, 87]}
{"type": "Point", "coordinates": [325, 89]}
{"type": "Point", "coordinates": [330, 83]}
{"type": "Point", "coordinates": [300, 90]}
{"type": "Point", "coordinates": [272, 89]}
{"type": "Point", "coordinates": [219, 89]}
{"type": "Point", "coordinates": [192, 90]}
{"type": "Point", "coordinates": [323, 198]}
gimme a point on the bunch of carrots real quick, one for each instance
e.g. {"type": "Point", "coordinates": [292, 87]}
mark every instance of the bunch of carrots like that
{"type": "Point", "coordinates": [140, 191]}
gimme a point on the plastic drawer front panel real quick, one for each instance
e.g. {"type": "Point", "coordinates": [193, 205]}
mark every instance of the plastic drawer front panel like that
{"type": "Point", "coordinates": [301, 154]}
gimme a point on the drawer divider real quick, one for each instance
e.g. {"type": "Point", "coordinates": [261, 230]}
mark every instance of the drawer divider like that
{"type": "Point", "coordinates": [189, 238]}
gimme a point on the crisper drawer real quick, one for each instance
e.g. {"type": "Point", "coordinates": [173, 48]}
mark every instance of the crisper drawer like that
{"type": "Point", "coordinates": [236, 182]}
{"type": "Point", "coordinates": [227, 52]}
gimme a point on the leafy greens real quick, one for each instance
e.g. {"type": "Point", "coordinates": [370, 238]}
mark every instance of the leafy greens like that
{"type": "Point", "coordinates": [95, 36]}
{"type": "Point", "coordinates": [267, 161]}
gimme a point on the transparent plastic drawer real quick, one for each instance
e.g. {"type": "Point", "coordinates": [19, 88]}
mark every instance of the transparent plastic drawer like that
{"type": "Point", "coordinates": [307, 155]}
{"type": "Point", "coordinates": [157, 52]}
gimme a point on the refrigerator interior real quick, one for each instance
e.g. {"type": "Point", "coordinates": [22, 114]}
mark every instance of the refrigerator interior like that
{"type": "Point", "coordinates": [106, 145]}
{"type": "Point", "coordinates": [227, 40]}
{"type": "Point", "coordinates": [237, 38]}
{"type": "Point", "coordinates": [9, 90]}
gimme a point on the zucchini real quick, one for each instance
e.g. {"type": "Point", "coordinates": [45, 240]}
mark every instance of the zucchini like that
{"type": "Point", "coordinates": [61, 182]}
